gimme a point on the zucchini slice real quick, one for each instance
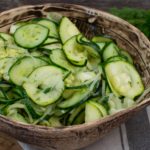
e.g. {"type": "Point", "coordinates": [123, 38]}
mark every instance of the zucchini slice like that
{"type": "Point", "coordinates": [31, 35]}
{"type": "Point", "coordinates": [45, 85]}
{"type": "Point", "coordinates": [123, 79]}
{"type": "Point", "coordinates": [23, 67]}
{"type": "Point", "coordinates": [67, 29]}
{"type": "Point", "coordinates": [75, 52]}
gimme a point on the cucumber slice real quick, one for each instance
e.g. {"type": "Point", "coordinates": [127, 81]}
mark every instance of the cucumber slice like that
{"type": "Point", "coordinates": [2, 44]}
{"type": "Point", "coordinates": [75, 114]}
{"type": "Point", "coordinates": [13, 52]}
{"type": "Point", "coordinates": [92, 113]}
{"type": "Point", "coordinates": [92, 52]}
{"type": "Point", "coordinates": [5, 65]}
{"type": "Point", "coordinates": [78, 97]}
{"type": "Point", "coordinates": [51, 40]}
{"type": "Point", "coordinates": [100, 107]}
{"type": "Point", "coordinates": [7, 38]}
{"type": "Point", "coordinates": [80, 118]}
{"type": "Point", "coordinates": [45, 85]}
{"type": "Point", "coordinates": [101, 45]}
{"type": "Point", "coordinates": [123, 79]}
{"type": "Point", "coordinates": [23, 67]}
{"type": "Point", "coordinates": [67, 29]}
{"type": "Point", "coordinates": [8, 65]}
{"type": "Point", "coordinates": [51, 46]}
{"type": "Point", "coordinates": [15, 26]}
{"type": "Point", "coordinates": [75, 52]}
{"type": "Point", "coordinates": [61, 112]}
{"type": "Point", "coordinates": [18, 117]}
{"type": "Point", "coordinates": [46, 59]}
{"type": "Point", "coordinates": [53, 31]}
{"type": "Point", "coordinates": [55, 122]}
{"type": "Point", "coordinates": [31, 35]}
{"type": "Point", "coordinates": [36, 53]}
{"type": "Point", "coordinates": [93, 62]}
{"type": "Point", "coordinates": [101, 39]}
{"type": "Point", "coordinates": [54, 16]}
{"type": "Point", "coordinates": [68, 93]}
{"type": "Point", "coordinates": [91, 47]}
{"type": "Point", "coordinates": [127, 56]}
{"type": "Point", "coordinates": [115, 58]}
{"type": "Point", "coordinates": [128, 102]}
{"type": "Point", "coordinates": [79, 79]}
{"type": "Point", "coordinates": [115, 104]}
{"type": "Point", "coordinates": [107, 90]}
{"type": "Point", "coordinates": [58, 57]}
{"type": "Point", "coordinates": [110, 50]}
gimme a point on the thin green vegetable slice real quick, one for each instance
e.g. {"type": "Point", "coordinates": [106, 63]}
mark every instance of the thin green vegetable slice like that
{"type": "Point", "coordinates": [31, 35]}
{"type": "Point", "coordinates": [45, 85]}
{"type": "Point", "coordinates": [67, 29]}
{"type": "Point", "coordinates": [75, 52]}
{"type": "Point", "coordinates": [23, 67]}
{"type": "Point", "coordinates": [58, 57]}
{"type": "Point", "coordinates": [78, 97]}
{"type": "Point", "coordinates": [53, 30]}
{"type": "Point", "coordinates": [92, 113]}
{"type": "Point", "coordinates": [123, 79]}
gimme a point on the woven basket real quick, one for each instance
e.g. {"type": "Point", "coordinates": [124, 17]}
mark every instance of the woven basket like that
{"type": "Point", "coordinates": [90, 22]}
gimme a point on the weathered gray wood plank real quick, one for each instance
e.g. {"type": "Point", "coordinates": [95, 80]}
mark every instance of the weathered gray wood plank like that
{"type": "Point", "coordinates": [138, 131]}
{"type": "Point", "coordinates": [124, 138]}
{"type": "Point", "coordinates": [110, 142]}
{"type": "Point", "coordinates": [148, 112]}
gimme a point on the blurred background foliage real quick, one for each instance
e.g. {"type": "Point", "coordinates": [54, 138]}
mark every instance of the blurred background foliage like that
{"type": "Point", "coordinates": [138, 17]}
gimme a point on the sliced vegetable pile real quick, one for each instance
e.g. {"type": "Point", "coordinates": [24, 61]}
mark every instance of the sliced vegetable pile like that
{"type": "Point", "coordinates": [52, 75]}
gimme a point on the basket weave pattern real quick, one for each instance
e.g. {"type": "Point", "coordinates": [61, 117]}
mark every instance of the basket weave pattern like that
{"type": "Point", "coordinates": [90, 22]}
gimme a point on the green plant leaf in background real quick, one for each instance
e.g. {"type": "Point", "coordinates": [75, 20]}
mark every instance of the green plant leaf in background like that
{"type": "Point", "coordinates": [138, 17]}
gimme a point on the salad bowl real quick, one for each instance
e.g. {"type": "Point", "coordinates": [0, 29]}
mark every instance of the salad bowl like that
{"type": "Point", "coordinates": [90, 22]}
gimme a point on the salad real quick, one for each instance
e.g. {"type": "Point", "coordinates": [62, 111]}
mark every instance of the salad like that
{"type": "Point", "coordinates": [52, 75]}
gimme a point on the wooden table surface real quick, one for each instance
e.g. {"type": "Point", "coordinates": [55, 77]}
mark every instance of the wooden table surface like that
{"type": "Point", "coordinates": [135, 133]}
